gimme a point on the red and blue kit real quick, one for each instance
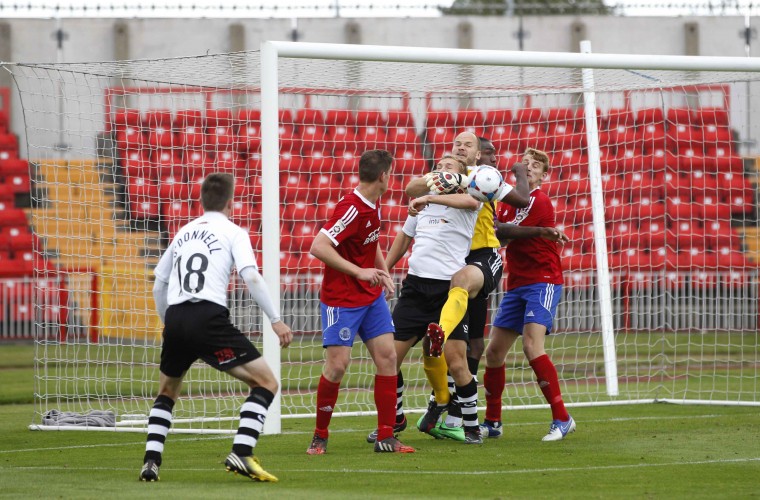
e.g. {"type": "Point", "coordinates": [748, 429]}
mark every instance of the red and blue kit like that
{"type": "Point", "coordinates": [354, 229]}
{"type": "Point", "coordinates": [531, 260]}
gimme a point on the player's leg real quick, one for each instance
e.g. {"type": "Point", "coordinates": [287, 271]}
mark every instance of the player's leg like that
{"type": "Point", "coordinates": [542, 300]}
{"type": "Point", "coordinates": [477, 309]}
{"type": "Point", "coordinates": [159, 423]}
{"type": "Point", "coordinates": [500, 341]}
{"type": "Point", "coordinates": [507, 325]}
{"type": "Point", "coordinates": [491, 265]}
{"type": "Point", "coordinates": [339, 327]}
{"type": "Point", "coordinates": [376, 331]}
{"type": "Point", "coordinates": [337, 359]}
{"type": "Point", "coordinates": [184, 324]}
{"type": "Point", "coordinates": [465, 283]}
{"type": "Point", "coordinates": [259, 377]}
{"type": "Point", "coordinates": [402, 348]}
{"type": "Point", "coordinates": [455, 351]}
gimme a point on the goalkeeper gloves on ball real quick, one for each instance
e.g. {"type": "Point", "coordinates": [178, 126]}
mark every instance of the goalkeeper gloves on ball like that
{"type": "Point", "coordinates": [446, 182]}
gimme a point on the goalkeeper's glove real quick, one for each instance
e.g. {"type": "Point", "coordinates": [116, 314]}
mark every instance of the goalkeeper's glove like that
{"type": "Point", "coordinates": [446, 182]}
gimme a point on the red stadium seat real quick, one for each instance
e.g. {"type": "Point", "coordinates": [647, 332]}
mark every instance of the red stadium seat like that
{"type": "Point", "coordinates": [711, 116]}
{"type": "Point", "coordinates": [340, 138]}
{"type": "Point", "coordinates": [650, 137]}
{"type": "Point", "coordinates": [528, 116]}
{"type": "Point", "coordinates": [297, 211]}
{"type": "Point", "coordinates": [340, 117]}
{"type": "Point", "coordinates": [470, 120]}
{"type": "Point", "coordinates": [371, 138]}
{"type": "Point", "coordinates": [374, 118]}
{"type": "Point", "coordinates": [440, 139]}
{"type": "Point", "coordinates": [293, 187]}
{"type": "Point", "coordinates": [718, 136]}
{"type": "Point", "coordinates": [403, 139]}
{"type": "Point", "coordinates": [13, 166]}
{"type": "Point", "coordinates": [393, 213]}
{"type": "Point", "coordinates": [129, 138]}
{"type": "Point", "coordinates": [306, 117]}
{"type": "Point", "coordinates": [171, 188]}
{"type": "Point", "coordinates": [623, 235]}
{"type": "Point", "coordinates": [617, 117]}
{"type": "Point", "coordinates": [678, 116]}
{"type": "Point", "coordinates": [439, 118]}
{"type": "Point", "coordinates": [167, 163]}
{"type": "Point", "coordinates": [248, 117]}
{"type": "Point", "coordinates": [10, 216]}
{"type": "Point", "coordinates": [126, 118]}
{"type": "Point", "coordinates": [143, 198]}
{"type": "Point", "coordinates": [249, 137]}
{"type": "Point", "coordinates": [498, 118]}
{"type": "Point", "coordinates": [395, 118]}
{"type": "Point", "coordinates": [346, 163]}
{"type": "Point", "coordinates": [533, 135]}
{"type": "Point", "coordinates": [20, 184]}
{"type": "Point", "coordinates": [505, 139]}
{"type": "Point", "coordinates": [188, 125]}
{"type": "Point", "coordinates": [647, 116]}
{"type": "Point", "coordinates": [409, 163]}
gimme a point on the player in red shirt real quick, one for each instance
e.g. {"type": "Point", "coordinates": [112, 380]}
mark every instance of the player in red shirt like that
{"type": "Point", "coordinates": [534, 288]}
{"type": "Point", "coordinates": [356, 282]}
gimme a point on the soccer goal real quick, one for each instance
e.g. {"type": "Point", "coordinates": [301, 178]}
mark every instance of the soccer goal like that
{"type": "Point", "coordinates": [649, 174]}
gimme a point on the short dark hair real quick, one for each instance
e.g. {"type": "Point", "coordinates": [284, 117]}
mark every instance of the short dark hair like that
{"type": "Point", "coordinates": [373, 163]}
{"type": "Point", "coordinates": [482, 140]}
{"type": "Point", "coordinates": [217, 189]}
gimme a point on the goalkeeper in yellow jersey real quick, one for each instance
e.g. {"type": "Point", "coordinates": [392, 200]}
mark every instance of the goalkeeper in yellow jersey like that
{"type": "Point", "coordinates": [471, 285]}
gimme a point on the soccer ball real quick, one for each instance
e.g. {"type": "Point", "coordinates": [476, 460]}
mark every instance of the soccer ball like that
{"type": "Point", "coordinates": [485, 183]}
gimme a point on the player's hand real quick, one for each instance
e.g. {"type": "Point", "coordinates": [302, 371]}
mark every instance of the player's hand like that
{"type": "Point", "coordinates": [417, 205]}
{"type": "Point", "coordinates": [283, 332]}
{"type": "Point", "coordinates": [446, 182]}
{"type": "Point", "coordinates": [373, 275]}
{"type": "Point", "coordinates": [388, 287]}
{"type": "Point", "coordinates": [555, 235]}
{"type": "Point", "coordinates": [519, 169]}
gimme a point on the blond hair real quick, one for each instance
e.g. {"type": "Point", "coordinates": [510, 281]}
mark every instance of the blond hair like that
{"type": "Point", "coordinates": [539, 156]}
{"type": "Point", "coordinates": [462, 164]}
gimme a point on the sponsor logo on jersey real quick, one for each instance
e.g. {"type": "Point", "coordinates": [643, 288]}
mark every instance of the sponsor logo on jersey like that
{"type": "Point", "coordinates": [530, 314]}
{"type": "Point", "coordinates": [369, 223]}
{"type": "Point", "coordinates": [373, 236]}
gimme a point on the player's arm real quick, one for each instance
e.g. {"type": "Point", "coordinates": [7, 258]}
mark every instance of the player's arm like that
{"type": "Point", "coordinates": [160, 288]}
{"type": "Point", "coordinates": [161, 284]}
{"type": "Point", "coordinates": [506, 232]}
{"type": "Point", "coordinates": [461, 201]}
{"type": "Point", "coordinates": [322, 248]}
{"type": "Point", "coordinates": [399, 247]}
{"type": "Point", "coordinates": [417, 187]}
{"type": "Point", "coordinates": [258, 290]}
{"type": "Point", "coordinates": [519, 196]}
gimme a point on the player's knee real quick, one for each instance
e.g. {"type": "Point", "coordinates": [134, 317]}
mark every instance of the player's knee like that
{"type": "Point", "coordinates": [477, 346]}
{"type": "Point", "coordinates": [493, 356]}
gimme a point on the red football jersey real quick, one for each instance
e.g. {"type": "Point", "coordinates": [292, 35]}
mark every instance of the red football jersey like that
{"type": "Point", "coordinates": [531, 260]}
{"type": "Point", "coordinates": [354, 229]}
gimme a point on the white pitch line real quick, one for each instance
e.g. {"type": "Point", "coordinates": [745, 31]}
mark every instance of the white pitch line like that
{"type": "Point", "coordinates": [431, 472]}
{"type": "Point", "coordinates": [345, 431]}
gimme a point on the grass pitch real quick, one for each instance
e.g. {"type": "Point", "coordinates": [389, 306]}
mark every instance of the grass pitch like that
{"type": "Point", "coordinates": [636, 451]}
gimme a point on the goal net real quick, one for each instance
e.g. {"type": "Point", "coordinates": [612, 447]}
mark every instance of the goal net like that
{"type": "Point", "coordinates": [649, 182]}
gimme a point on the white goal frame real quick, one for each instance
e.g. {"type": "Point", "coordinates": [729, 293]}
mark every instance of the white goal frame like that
{"type": "Point", "coordinates": [272, 51]}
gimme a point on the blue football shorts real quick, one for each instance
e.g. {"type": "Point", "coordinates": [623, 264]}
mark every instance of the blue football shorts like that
{"type": "Point", "coordinates": [529, 304]}
{"type": "Point", "coordinates": [341, 324]}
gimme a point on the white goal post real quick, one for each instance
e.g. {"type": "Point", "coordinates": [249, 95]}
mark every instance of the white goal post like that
{"type": "Point", "coordinates": [661, 297]}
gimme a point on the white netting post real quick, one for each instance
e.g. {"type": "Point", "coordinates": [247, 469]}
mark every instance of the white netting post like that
{"type": "Point", "coordinates": [270, 224]}
{"type": "Point", "coordinates": [600, 232]}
